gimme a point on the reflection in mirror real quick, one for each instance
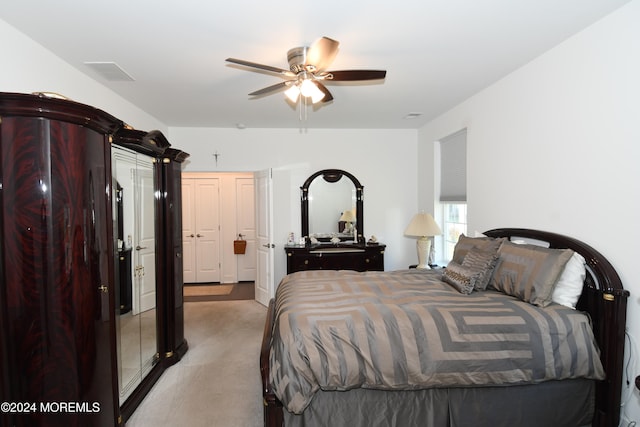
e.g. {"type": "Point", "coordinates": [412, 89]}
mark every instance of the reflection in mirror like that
{"type": "Point", "coordinates": [328, 202]}
{"type": "Point", "coordinates": [134, 221]}
{"type": "Point", "coordinates": [332, 206]}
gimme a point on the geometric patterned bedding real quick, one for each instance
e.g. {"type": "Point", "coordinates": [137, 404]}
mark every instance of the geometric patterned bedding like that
{"type": "Point", "coordinates": [406, 329]}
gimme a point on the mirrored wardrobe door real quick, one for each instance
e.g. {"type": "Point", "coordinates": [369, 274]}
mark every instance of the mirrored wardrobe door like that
{"type": "Point", "coordinates": [145, 262]}
{"type": "Point", "coordinates": [134, 217]}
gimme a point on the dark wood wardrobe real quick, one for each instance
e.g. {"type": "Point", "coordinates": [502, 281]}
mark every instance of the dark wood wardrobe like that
{"type": "Point", "coordinates": [62, 240]}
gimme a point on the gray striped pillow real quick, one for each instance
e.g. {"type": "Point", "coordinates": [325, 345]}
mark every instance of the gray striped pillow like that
{"type": "Point", "coordinates": [529, 272]}
{"type": "Point", "coordinates": [465, 244]}
{"type": "Point", "coordinates": [462, 278]}
{"type": "Point", "coordinates": [483, 262]}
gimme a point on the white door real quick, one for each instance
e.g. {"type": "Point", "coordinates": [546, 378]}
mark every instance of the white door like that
{"type": "Point", "coordinates": [246, 226]}
{"type": "Point", "coordinates": [207, 215]}
{"type": "Point", "coordinates": [188, 231]}
{"type": "Point", "coordinates": [201, 230]}
{"type": "Point", "coordinates": [264, 240]}
{"type": "Point", "coordinates": [134, 173]}
{"type": "Point", "coordinates": [145, 234]}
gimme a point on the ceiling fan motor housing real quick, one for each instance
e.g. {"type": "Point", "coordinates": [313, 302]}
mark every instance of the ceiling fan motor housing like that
{"type": "Point", "coordinates": [297, 57]}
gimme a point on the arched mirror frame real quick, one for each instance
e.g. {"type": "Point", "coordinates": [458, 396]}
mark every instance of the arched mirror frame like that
{"type": "Point", "coordinates": [331, 176]}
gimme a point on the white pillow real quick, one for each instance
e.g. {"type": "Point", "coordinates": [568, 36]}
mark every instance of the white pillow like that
{"type": "Point", "coordinates": [569, 285]}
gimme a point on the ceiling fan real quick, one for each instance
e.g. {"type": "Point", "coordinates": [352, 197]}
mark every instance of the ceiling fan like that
{"type": "Point", "coordinates": [307, 72]}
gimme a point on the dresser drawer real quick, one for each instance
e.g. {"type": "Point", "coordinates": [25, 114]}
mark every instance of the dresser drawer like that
{"type": "Point", "coordinates": [365, 258]}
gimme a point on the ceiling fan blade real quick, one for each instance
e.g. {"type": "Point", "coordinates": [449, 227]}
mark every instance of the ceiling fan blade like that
{"type": "Point", "coordinates": [261, 66]}
{"type": "Point", "coordinates": [327, 95]}
{"type": "Point", "coordinates": [322, 53]}
{"type": "Point", "coordinates": [271, 88]}
{"type": "Point", "coordinates": [353, 75]}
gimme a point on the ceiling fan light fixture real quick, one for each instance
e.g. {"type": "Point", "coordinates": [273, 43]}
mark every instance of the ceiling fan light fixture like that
{"type": "Point", "coordinates": [309, 90]}
{"type": "Point", "coordinates": [317, 96]}
{"type": "Point", "coordinates": [292, 93]}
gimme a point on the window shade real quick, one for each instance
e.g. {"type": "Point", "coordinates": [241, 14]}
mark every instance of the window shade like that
{"type": "Point", "coordinates": [453, 167]}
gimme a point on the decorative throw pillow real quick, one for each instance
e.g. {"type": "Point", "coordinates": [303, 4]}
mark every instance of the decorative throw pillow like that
{"type": "Point", "coordinates": [569, 286]}
{"type": "Point", "coordinates": [465, 243]}
{"type": "Point", "coordinates": [529, 272]}
{"type": "Point", "coordinates": [462, 278]}
{"type": "Point", "coordinates": [481, 261]}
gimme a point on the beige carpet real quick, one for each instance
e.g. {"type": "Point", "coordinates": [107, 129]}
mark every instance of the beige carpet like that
{"type": "Point", "coordinates": [217, 383]}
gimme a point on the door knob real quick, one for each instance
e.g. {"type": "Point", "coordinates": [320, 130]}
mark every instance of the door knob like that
{"type": "Point", "coordinates": [103, 288]}
{"type": "Point", "coordinates": [199, 235]}
{"type": "Point", "coordinates": [269, 245]}
{"type": "Point", "coordinates": [139, 248]}
{"type": "Point", "coordinates": [191, 235]}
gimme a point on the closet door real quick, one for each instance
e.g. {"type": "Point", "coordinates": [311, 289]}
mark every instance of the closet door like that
{"type": "Point", "coordinates": [201, 229]}
{"type": "Point", "coordinates": [207, 230]}
{"type": "Point", "coordinates": [246, 225]}
{"type": "Point", "coordinates": [57, 271]}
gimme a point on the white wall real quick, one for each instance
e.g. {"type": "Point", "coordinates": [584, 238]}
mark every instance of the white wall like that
{"type": "Point", "coordinates": [28, 67]}
{"type": "Point", "coordinates": [382, 160]}
{"type": "Point", "coordinates": [556, 146]}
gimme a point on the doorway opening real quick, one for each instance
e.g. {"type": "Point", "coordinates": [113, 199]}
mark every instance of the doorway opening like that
{"type": "Point", "coordinates": [218, 209]}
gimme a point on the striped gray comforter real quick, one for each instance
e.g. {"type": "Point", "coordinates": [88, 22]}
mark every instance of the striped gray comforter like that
{"type": "Point", "coordinates": [408, 330]}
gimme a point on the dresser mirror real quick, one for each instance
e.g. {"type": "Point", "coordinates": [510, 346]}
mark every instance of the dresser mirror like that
{"type": "Point", "coordinates": [332, 207]}
{"type": "Point", "coordinates": [134, 227]}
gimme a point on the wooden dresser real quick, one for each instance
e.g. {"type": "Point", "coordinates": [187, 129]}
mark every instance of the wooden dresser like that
{"type": "Point", "coordinates": [335, 257]}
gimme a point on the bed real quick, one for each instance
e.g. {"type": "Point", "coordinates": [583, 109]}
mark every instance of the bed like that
{"type": "Point", "coordinates": [486, 342]}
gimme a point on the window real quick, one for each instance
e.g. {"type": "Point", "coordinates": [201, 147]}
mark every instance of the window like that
{"type": "Point", "coordinates": [454, 223]}
{"type": "Point", "coordinates": [453, 191]}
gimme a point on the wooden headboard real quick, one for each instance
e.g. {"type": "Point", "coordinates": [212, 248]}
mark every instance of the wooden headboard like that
{"type": "Point", "coordinates": [605, 299]}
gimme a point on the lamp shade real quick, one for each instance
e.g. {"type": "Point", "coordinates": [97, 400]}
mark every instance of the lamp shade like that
{"type": "Point", "coordinates": [292, 93]}
{"type": "Point", "coordinates": [422, 225]}
{"type": "Point", "coordinates": [348, 216]}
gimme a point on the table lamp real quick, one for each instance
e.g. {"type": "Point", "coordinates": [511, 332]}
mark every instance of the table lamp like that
{"type": "Point", "coordinates": [423, 226]}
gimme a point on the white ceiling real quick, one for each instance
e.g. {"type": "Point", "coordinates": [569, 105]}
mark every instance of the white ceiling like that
{"type": "Point", "coordinates": [436, 52]}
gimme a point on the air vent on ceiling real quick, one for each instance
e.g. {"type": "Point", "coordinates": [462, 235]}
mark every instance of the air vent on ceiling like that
{"type": "Point", "coordinates": [110, 71]}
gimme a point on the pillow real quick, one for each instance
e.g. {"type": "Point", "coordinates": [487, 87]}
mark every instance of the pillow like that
{"type": "Point", "coordinates": [462, 278]}
{"type": "Point", "coordinates": [465, 243]}
{"type": "Point", "coordinates": [482, 261]}
{"type": "Point", "coordinates": [569, 286]}
{"type": "Point", "coordinates": [529, 272]}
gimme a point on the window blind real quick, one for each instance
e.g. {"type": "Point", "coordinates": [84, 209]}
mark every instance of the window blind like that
{"type": "Point", "coordinates": [453, 167]}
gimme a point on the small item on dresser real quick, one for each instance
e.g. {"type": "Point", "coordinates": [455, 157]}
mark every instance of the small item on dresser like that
{"type": "Point", "coordinates": [291, 240]}
{"type": "Point", "coordinates": [373, 240]}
